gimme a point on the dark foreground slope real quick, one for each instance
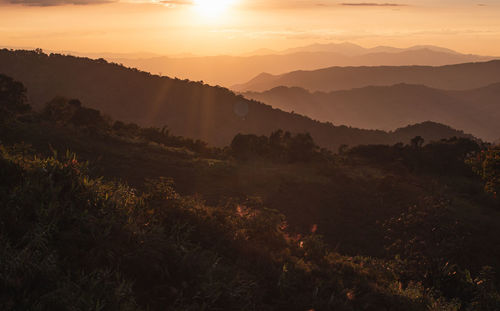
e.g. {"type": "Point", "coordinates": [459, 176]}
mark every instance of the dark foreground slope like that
{"type": "Point", "coordinates": [449, 77]}
{"type": "Point", "coordinates": [389, 107]}
{"type": "Point", "coordinates": [73, 242]}
{"type": "Point", "coordinates": [255, 227]}
{"type": "Point", "coordinates": [189, 109]}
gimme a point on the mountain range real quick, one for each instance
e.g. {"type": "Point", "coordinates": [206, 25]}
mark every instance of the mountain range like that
{"type": "Point", "coordinates": [452, 77]}
{"type": "Point", "coordinates": [189, 109]}
{"type": "Point", "coordinates": [228, 70]}
{"type": "Point", "coordinates": [475, 111]}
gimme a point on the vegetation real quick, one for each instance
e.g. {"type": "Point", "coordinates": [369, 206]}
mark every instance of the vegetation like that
{"type": "Point", "coordinates": [394, 106]}
{"type": "Point", "coordinates": [12, 98]}
{"type": "Point", "coordinates": [279, 146]}
{"type": "Point", "coordinates": [487, 165]}
{"type": "Point", "coordinates": [190, 109]}
{"type": "Point", "coordinates": [139, 219]}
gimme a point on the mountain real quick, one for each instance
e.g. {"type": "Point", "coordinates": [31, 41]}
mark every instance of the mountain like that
{"type": "Point", "coordinates": [189, 109]}
{"type": "Point", "coordinates": [351, 49]}
{"type": "Point", "coordinates": [452, 77]}
{"type": "Point", "coordinates": [229, 70]}
{"type": "Point", "coordinates": [344, 48]}
{"type": "Point", "coordinates": [389, 107]}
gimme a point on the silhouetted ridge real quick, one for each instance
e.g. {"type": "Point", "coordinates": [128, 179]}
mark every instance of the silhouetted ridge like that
{"type": "Point", "coordinates": [475, 111]}
{"type": "Point", "coordinates": [452, 77]}
{"type": "Point", "coordinates": [229, 70]}
{"type": "Point", "coordinates": [189, 109]}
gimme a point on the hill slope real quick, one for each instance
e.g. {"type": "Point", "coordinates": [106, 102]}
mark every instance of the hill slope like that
{"type": "Point", "coordinates": [375, 228]}
{"type": "Point", "coordinates": [388, 107]}
{"type": "Point", "coordinates": [190, 109]}
{"type": "Point", "coordinates": [450, 77]}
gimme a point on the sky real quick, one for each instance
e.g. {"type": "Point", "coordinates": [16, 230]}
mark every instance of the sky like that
{"type": "Point", "coordinates": [210, 27]}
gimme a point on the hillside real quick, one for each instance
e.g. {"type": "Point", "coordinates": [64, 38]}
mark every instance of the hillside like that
{"type": "Point", "coordinates": [389, 107]}
{"type": "Point", "coordinates": [227, 70]}
{"type": "Point", "coordinates": [449, 77]}
{"type": "Point", "coordinates": [189, 109]}
{"type": "Point", "coordinates": [248, 227]}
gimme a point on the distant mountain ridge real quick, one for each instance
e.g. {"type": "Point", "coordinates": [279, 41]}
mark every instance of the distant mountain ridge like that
{"type": "Point", "coordinates": [451, 77]}
{"type": "Point", "coordinates": [475, 111]}
{"type": "Point", "coordinates": [352, 49]}
{"type": "Point", "coordinates": [189, 109]}
{"type": "Point", "coordinates": [228, 70]}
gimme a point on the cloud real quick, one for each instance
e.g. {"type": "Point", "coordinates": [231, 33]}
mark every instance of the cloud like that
{"type": "Point", "coordinates": [285, 5]}
{"type": "Point", "coordinates": [176, 2]}
{"type": "Point", "coordinates": [372, 4]}
{"type": "Point", "coordinates": [308, 4]}
{"type": "Point", "coordinates": [256, 4]}
{"type": "Point", "coordinates": [55, 2]}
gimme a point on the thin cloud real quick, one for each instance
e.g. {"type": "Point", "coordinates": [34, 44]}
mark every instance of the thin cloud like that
{"type": "Point", "coordinates": [372, 4]}
{"type": "Point", "coordinates": [44, 3]}
{"type": "Point", "coordinates": [290, 4]}
{"type": "Point", "coordinates": [176, 2]}
{"type": "Point", "coordinates": [304, 4]}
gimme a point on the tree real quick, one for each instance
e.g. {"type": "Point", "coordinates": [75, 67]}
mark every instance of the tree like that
{"type": "Point", "coordinates": [59, 110]}
{"type": "Point", "coordinates": [64, 112]}
{"type": "Point", "coordinates": [342, 149]}
{"type": "Point", "coordinates": [302, 148]}
{"type": "Point", "coordinates": [12, 98]}
{"type": "Point", "coordinates": [417, 142]}
{"type": "Point", "coordinates": [247, 146]}
{"type": "Point", "coordinates": [277, 144]}
{"type": "Point", "coordinates": [90, 118]}
{"type": "Point", "coordinates": [487, 165]}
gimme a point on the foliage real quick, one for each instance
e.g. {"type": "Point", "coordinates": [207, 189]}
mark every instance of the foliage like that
{"type": "Point", "coordinates": [279, 146]}
{"type": "Point", "coordinates": [69, 240]}
{"type": "Point", "coordinates": [375, 228]}
{"type": "Point", "coordinates": [190, 109]}
{"type": "Point", "coordinates": [487, 165]}
{"type": "Point", "coordinates": [445, 157]}
{"type": "Point", "coordinates": [71, 112]}
{"type": "Point", "coordinates": [12, 98]}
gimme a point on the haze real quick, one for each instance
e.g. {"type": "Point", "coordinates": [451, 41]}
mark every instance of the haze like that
{"type": "Point", "coordinates": [204, 27]}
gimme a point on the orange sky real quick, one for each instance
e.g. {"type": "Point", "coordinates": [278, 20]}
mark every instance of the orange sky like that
{"type": "Point", "coordinates": [207, 27]}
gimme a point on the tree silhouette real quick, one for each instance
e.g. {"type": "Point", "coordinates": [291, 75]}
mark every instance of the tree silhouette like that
{"type": "Point", "coordinates": [12, 98]}
{"type": "Point", "coordinates": [417, 142]}
{"type": "Point", "coordinates": [302, 148]}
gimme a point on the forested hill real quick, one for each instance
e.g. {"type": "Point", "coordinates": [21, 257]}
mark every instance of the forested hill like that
{"type": "Point", "coordinates": [450, 77]}
{"type": "Point", "coordinates": [390, 107]}
{"type": "Point", "coordinates": [96, 214]}
{"type": "Point", "coordinates": [190, 109]}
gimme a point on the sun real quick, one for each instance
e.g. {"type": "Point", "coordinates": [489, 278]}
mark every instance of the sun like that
{"type": "Point", "coordinates": [212, 8]}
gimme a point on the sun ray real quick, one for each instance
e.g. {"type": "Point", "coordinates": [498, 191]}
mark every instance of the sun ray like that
{"type": "Point", "coordinates": [212, 8]}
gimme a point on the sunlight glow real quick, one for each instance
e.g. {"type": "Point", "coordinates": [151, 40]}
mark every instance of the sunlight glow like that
{"type": "Point", "coordinates": [212, 8]}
